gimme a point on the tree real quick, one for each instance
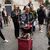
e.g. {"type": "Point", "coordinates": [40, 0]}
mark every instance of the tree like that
{"type": "Point", "coordinates": [47, 2]}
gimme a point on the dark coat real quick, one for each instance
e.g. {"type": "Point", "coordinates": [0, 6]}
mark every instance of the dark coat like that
{"type": "Point", "coordinates": [41, 15]}
{"type": "Point", "coordinates": [48, 18]}
{"type": "Point", "coordinates": [15, 19]}
{"type": "Point", "coordinates": [16, 23]}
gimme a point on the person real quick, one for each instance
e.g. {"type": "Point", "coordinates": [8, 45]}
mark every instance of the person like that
{"type": "Point", "coordinates": [41, 15]}
{"type": "Point", "coordinates": [1, 20]}
{"type": "Point", "coordinates": [48, 27]}
{"type": "Point", "coordinates": [19, 10]}
{"type": "Point", "coordinates": [33, 12]}
{"type": "Point", "coordinates": [48, 33]}
{"type": "Point", "coordinates": [1, 35]}
{"type": "Point", "coordinates": [24, 7]}
{"type": "Point", "coordinates": [48, 17]}
{"type": "Point", "coordinates": [30, 4]}
{"type": "Point", "coordinates": [46, 12]}
{"type": "Point", "coordinates": [5, 16]}
{"type": "Point", "coordinates": [27, 14]}
{"type": "Point", "coordinates": [34, 17]}
{"type": "Point", "coordinates": [26, 18]}
{"type": "Point", "coordinates": [15, 17]}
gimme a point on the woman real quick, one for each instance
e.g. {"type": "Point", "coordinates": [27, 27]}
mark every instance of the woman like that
{"type": "Point", "coordinates": [34, 16]}
{"type": "Point", "coordinates": [5, 16]}
{"type": "Point", "coordinates": [26, 18]}
{"type": "Point", "coordinates": [1, 35]}
{"type": "Point", "coordinates": [15, 17]}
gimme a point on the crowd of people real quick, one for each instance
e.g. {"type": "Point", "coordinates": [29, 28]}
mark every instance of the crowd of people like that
{"type": "Point", "coordinates": [27, 15]}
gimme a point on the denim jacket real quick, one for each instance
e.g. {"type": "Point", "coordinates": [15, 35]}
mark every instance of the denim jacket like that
{"type": "Point", "coordinates": [26, 18]}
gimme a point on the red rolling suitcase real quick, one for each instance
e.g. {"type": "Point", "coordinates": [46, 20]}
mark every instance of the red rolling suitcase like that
{"type": "Point", "coordinates": [24, 44]}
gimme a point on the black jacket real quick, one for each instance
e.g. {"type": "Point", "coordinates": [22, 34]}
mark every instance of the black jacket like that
{"type": "Point", "coordinates": [41, 14]}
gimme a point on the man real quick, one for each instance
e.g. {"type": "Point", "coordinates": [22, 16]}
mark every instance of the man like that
{"type": "Point", "coordinates": [41, 16]}
{"type": "Point", "coordinates": [15, 17]}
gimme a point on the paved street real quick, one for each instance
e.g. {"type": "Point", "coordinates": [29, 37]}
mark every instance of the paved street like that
{"type": "Point", "coordinates": [40, 41]}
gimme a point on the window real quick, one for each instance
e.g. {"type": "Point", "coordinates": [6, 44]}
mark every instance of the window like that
{"type": "Point", "coordinates": [7, 1]}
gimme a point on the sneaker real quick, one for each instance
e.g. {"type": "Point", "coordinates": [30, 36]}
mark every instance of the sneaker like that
{"type": "Point", "coordinates": [6, 41]}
